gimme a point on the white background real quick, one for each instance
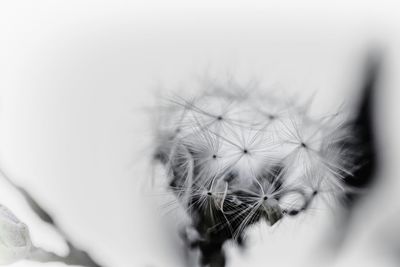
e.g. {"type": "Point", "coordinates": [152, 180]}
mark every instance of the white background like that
{"type": "Point", "coordinates": [77, 79]}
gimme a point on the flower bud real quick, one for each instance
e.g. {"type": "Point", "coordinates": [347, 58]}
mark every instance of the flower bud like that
{"type": "Point", "coordinates": [15, 243]}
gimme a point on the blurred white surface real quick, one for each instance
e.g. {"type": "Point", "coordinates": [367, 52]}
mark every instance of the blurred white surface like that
{"type": "Point", "coordinates": [76, 79]}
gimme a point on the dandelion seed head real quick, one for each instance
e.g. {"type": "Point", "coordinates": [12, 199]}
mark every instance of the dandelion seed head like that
{"type": "Point", "coordinates": [239, 156]}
